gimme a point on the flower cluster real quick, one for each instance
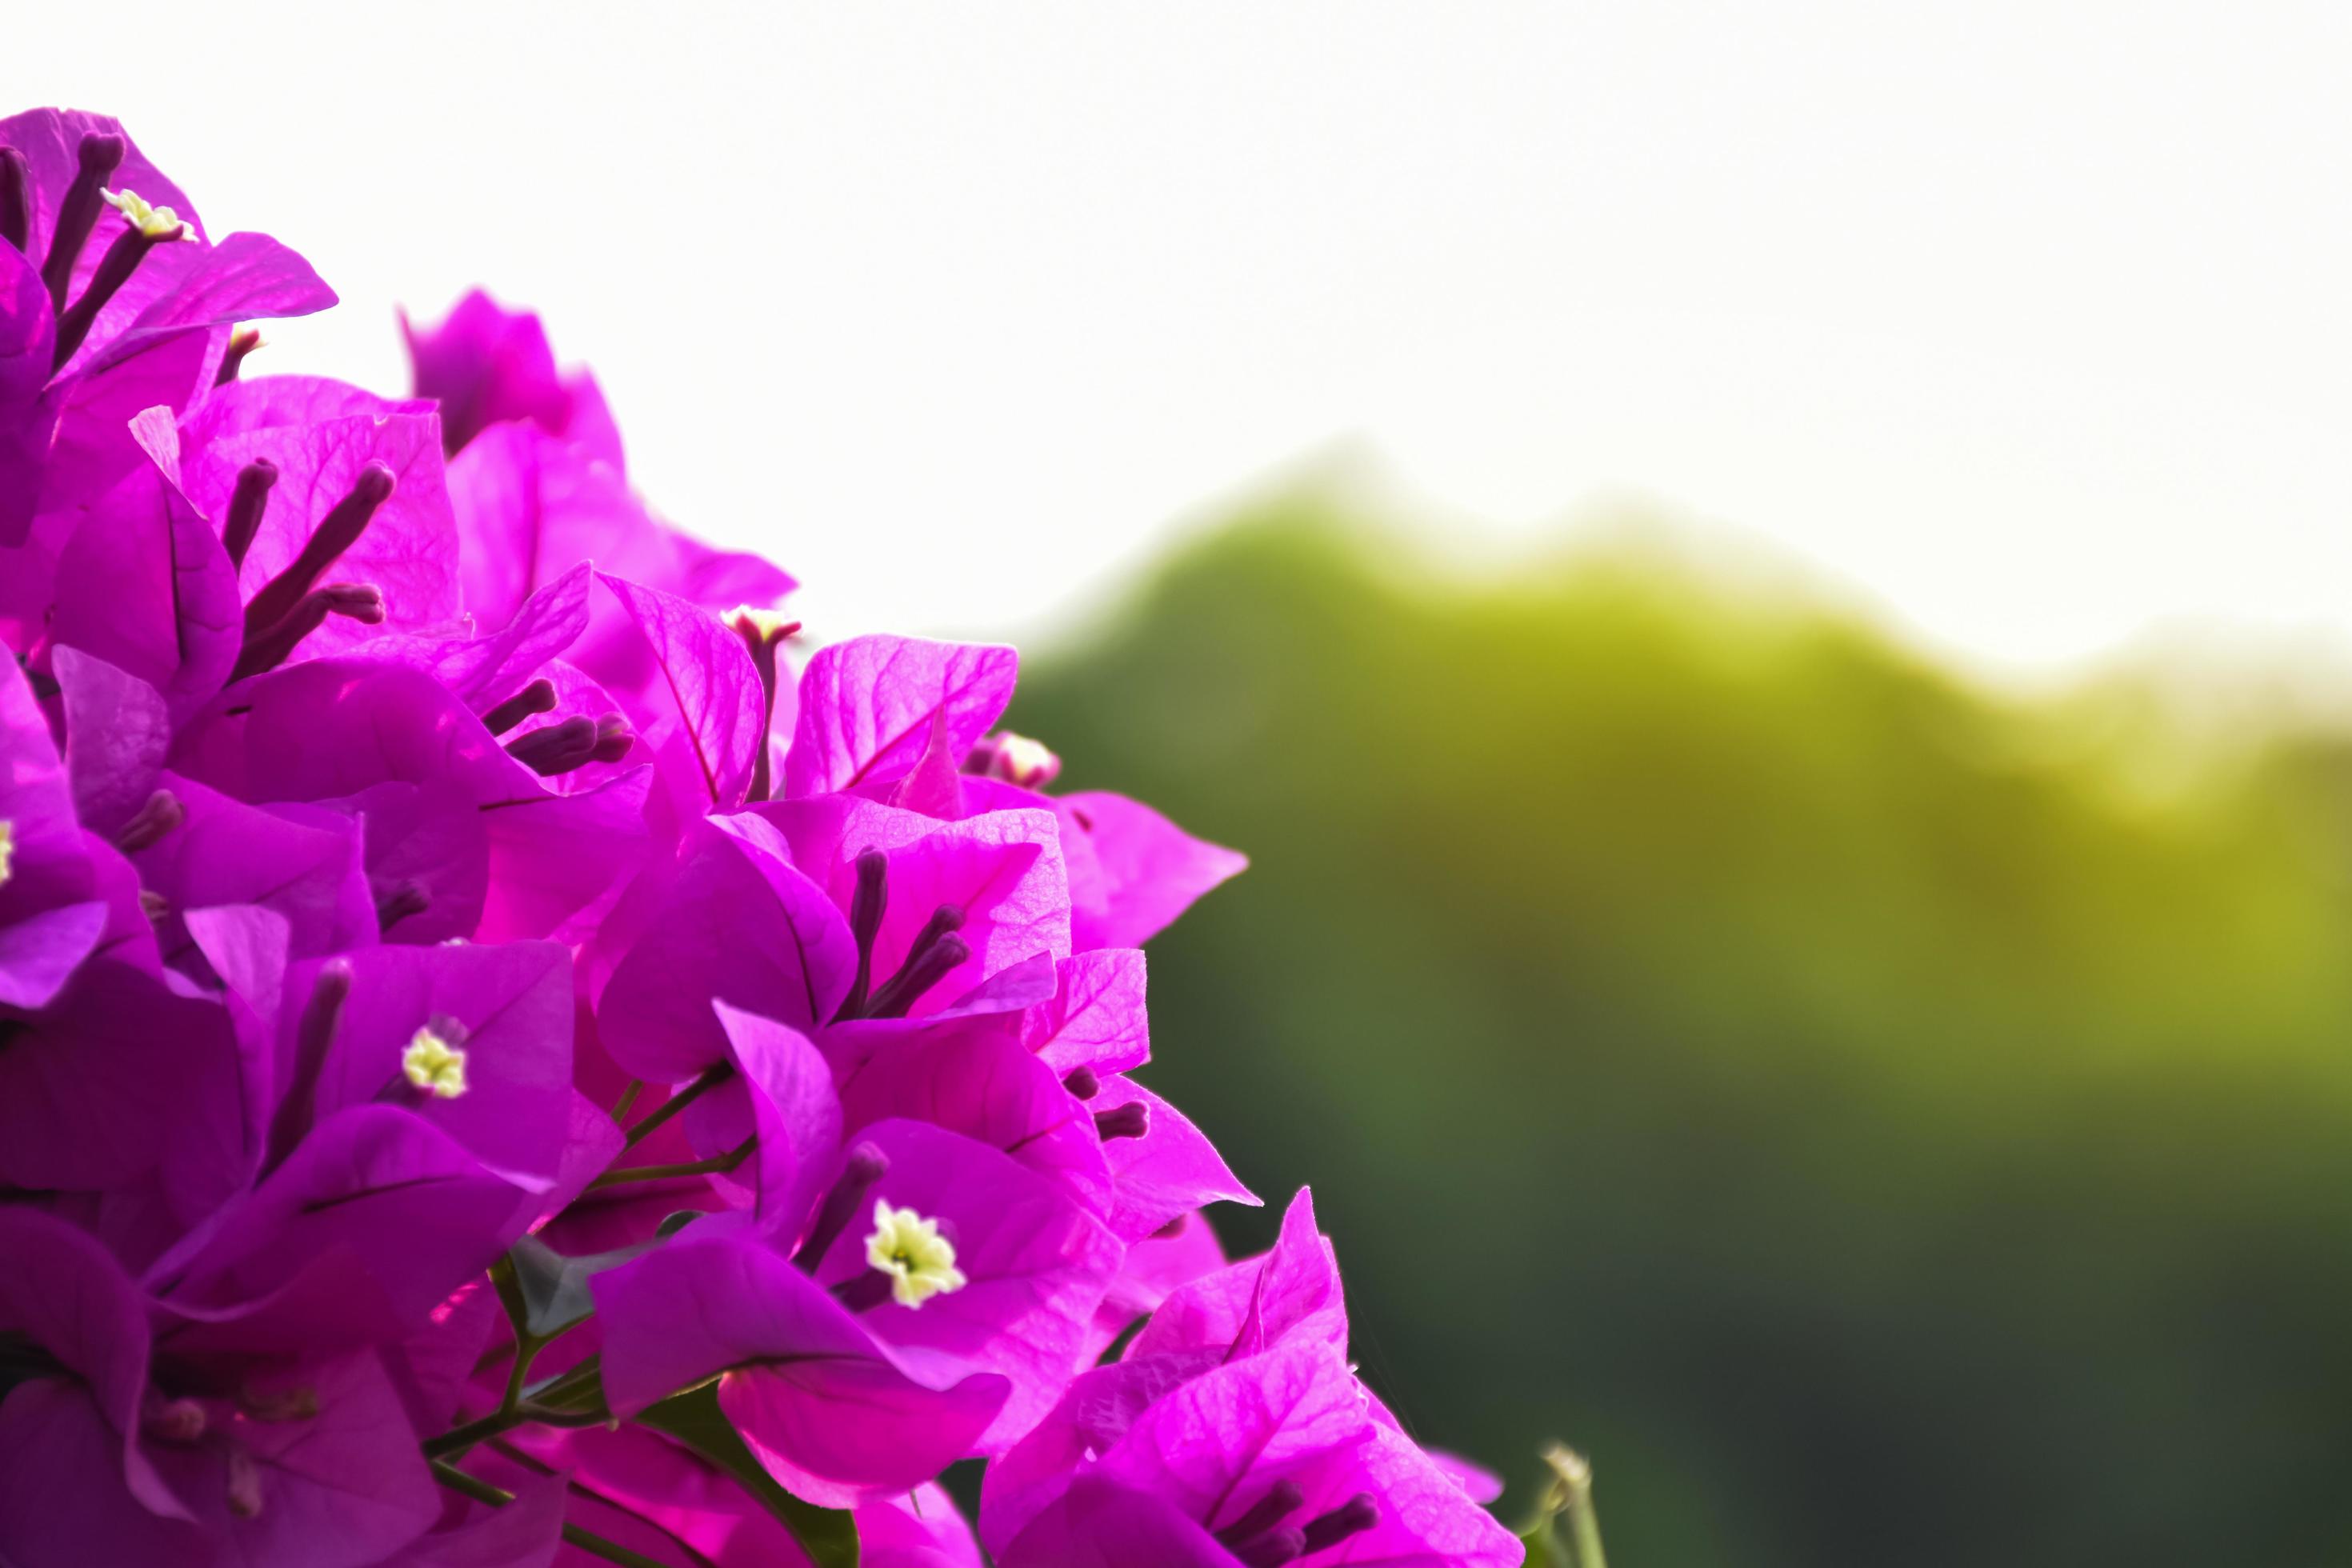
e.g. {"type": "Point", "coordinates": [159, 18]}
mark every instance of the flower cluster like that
{"type": "Point", "coordinates": [497, 1066]}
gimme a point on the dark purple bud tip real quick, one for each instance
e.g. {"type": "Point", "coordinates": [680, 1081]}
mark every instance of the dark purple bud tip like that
{"type": "Point", "coordinates": [360, 601]}
{"type": "Point", "coordinates": [1083, 1083]}
{"type": "Point", "coordinates": [1271, 1550]}
{"type": "Point", "coordinates": [614, 739]}
{"type": "Point", "coordinates": [925, 967]}
{"type": "Point", "coordinates": [375, 484]}
{"type": "Point", "coordinates": [100, 152]}
{"type": "Point", "coordinates": [1357, 1513]}
{"type": "Point", "coordinates": [161, 814]}
{"type": "Point", "coordinates": [536, 697]}
{"type": "Point", "coordinates": [272, 646]}
{"type": "Point", "coordinates": [864, 1165]}
{"type": "Point", "coordinates": [866, 910]}
{"type": "Point", "coordinates": [245, 506]}
{"type": "Point", "coordinates": [314, 1036]}
{"type": "Point", "coordinates": [1281, 1500]}
{"type": "Point", "coordinates": [337, 531]}
{"type": "Point", "coordinates": [100, 155]}
{"type": "Point", "coordinates": [1132, 1119]}
{"type": "Point", "coordinates": [553, 748]}
{"type": "Point", "coordinates": [873, 893]}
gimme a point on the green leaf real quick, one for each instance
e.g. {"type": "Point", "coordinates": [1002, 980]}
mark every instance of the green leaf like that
{"type": "Point", "coordinates": [554, 1287]}
{"type": "Point", "coordinates": [828, 1535]}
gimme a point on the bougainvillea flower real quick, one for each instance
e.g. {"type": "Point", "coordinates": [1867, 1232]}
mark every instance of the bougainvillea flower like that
{"type": "Point", "coordinates": [952, 903]}
{"type": "Point", "coordinates": [697, 703]}
{"type": "Point", "coordinates": [216, 850]}
{"type": "Point", "coordinates": [131, 1445]}
{"type": "Point", "coordinates": [145, 584]}
{"type": "Point", "coordinates": [831, 1411]}
{"type": "Point", "coordinates": [312, 483]}
{"type": "Point", "coordinates": [868, 708]}
{"type": "Point", "coordinates": [486, 365]}
{"type": "Point", "coordinates": [125, 270]}
{"type": "Point", "coordinates": [329, 730]}
{"type": "Point", "coordinates": [1274, 1457]}
{"type": "Point", "coordinates": [385, 792]}
{"type": "Point", "coordinates": [475, 1039]}
{"type": "Point", "coordinates": [51, 917]}
{"type": "Point", "coordinates": [738, 924]}
{"type": "Point", "coordinates": [1132, 871]}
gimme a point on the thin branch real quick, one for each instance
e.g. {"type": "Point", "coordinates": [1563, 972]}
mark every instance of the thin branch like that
{"type": "Point", "coordinates": [711, 1078]}
{"type": "Point", "coordinates": [718, 1164]}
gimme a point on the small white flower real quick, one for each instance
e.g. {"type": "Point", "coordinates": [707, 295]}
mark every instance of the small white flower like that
{"type": "Point", "coordinates": [155, 223]}
{"type": "Point", "coordinates": [910, 1249]}
{"type": "Point", "coordinates": [431, 1062]}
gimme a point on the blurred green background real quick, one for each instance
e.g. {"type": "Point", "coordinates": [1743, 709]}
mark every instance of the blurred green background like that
{"type": "Point", "coordinates": [1879, 1121]}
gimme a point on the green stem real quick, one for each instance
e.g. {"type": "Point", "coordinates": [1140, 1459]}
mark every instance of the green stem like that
{"type": "Point", "coordinates": [458, 1480]}
{"type": "Point", "coordinates": [527, 1347]}
{"type": "Point", "coordinates": [718, 1164]}
{"type": "Point", "coordinates": [711, 1078]}
{"type": "Point", "coordinates": [457, 1439]}
{"type": "Point", "coordinates": [1572, 1495]}
{"type": "Point", "coordinates": [628, 1098]}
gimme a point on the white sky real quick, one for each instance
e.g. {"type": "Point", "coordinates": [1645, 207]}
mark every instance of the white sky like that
{"type": "Point", "coordinates": [2031, 320]}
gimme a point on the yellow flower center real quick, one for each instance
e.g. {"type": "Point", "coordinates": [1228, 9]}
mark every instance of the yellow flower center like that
{"type": "Point", "coordinates": [155, 223]}
{"type": "Point", "coordinates": [7, 849]}
{"type": "Point", "coordinates": [910, 1249]}
{"type": "Point", "coordinates": [431, 1062]}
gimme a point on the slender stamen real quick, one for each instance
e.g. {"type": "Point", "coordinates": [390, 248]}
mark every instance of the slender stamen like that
{"type": "Point", "coordinates": [100, 154]}
{"type": "Point", "coordinates": [536, 697]}
{"type": "Point", "coordinates": [153, 905]}
{"type": "Point", "coordinates": [865, 908]}
{"type": "Point", "coordinates": [114, 269]}
{"type": "Point", "coordinates": [245, 505]}
{"type": "Point", "coordinates": [1082, 1083]}
{"type": "Point", "coordinates": [761, 631]}
{"type": "Point", "coordinates": [160, 814]}
{"type": "Point", "coordinates": [1132, 1119]}
{"type": "Point", "coordinates": [314, 1036]}
{"type": "Point", "coordinates": [1357, 1513]}
{"type": "Point", "coordinates": [614, 739]}
{"type": "Point", "coordinates": [360, 601]}
{"type": "Point", "coordinates": [935, 951]}
{"type": "Point", "coordinates": [16, 198]}
{"type": "Point", "coordinates": [337, 531]}
{"type": "Point", "coordinates": [1271, 1550]}
{"type": "Point", "coordinates": [241, 343]}
{"type": "Point", "coordinates": [1281, 1500]}
{"type": "Point", "coordinates": [558, 748]}
{"type": "Point", "coordinates": [867, 1165]}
